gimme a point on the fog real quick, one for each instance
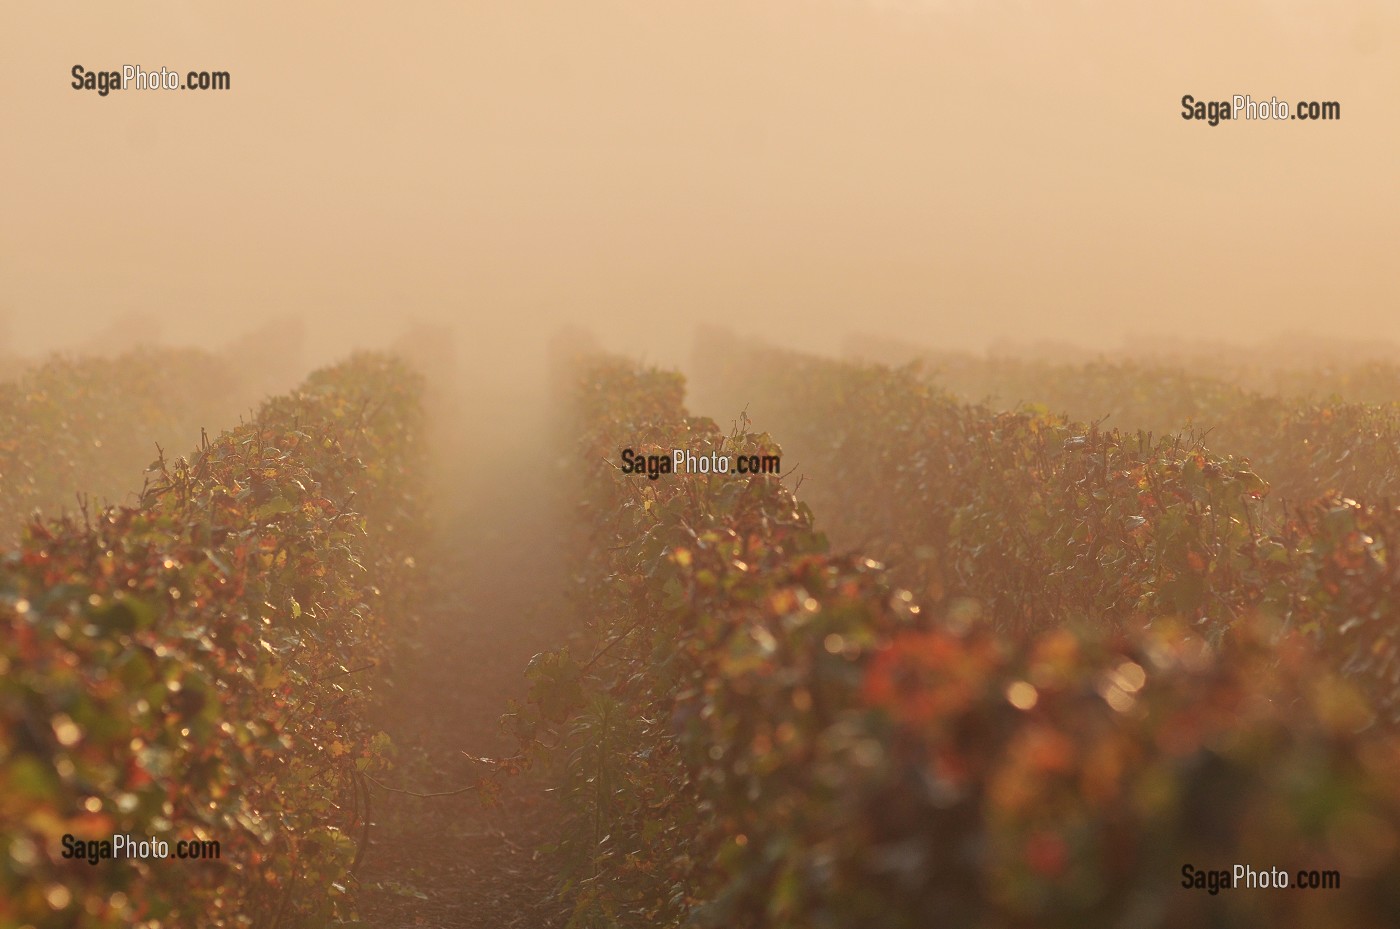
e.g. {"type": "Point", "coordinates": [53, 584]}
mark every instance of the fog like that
{"type": "Point", "coordinates": [950, 173]}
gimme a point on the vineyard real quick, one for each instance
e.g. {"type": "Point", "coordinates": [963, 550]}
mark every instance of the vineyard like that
{"type": "Point", "coordinates": [1005, 643]}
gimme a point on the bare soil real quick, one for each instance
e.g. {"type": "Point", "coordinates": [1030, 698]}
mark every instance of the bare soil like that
{"type": "Point", "coordinates": [493, 581]}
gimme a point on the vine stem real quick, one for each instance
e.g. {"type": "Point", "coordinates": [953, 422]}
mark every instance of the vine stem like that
{"type": "Point", "coordinates": [422, 796]}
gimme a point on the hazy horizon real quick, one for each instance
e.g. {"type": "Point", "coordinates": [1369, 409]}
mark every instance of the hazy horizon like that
{"type": "Point", "coordinates": [955, 174]}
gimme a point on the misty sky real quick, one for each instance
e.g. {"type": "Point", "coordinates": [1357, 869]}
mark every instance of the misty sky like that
{"type": "Point", "coordinates": [949, 172]}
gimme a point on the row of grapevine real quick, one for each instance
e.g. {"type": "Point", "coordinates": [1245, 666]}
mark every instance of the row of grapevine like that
{"type": "Point", "coordinates": [1043, 522]}
{"type": "Point", "coordinates": [199, 666]}
{"type": "Point", "coordinates": [92, 425]}
{"type": "Point", "coordinates": [1310, 430]}
{"type": "Point", "coordinates": [752, 731]}
{"type": "Point", "coordinates": [1039, 520]}
{"type": "Point", "coordinates": [1301, 366]}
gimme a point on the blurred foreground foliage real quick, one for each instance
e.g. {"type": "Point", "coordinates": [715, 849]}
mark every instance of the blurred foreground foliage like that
{"type": "Point", "coordinates": [1106, 670]}
{"type": "Point", "coordinates": [199, 666]}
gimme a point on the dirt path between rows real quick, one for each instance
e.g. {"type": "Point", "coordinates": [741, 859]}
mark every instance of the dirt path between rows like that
{"type": "Point", "coordinates": [493, 578]}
